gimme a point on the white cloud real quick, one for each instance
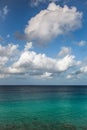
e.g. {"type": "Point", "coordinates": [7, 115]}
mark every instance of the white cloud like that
{"type": "Point", "coordinates": [39, 64]}
{"type": "Point", "coordinates": [3, 60]}
{"type": "Point", "coordinates": [83, 69]}
{"type": "Point", "coordinates": [46, 75]}
{"type": "Point", "coordinates": [78, 72]}
{"type": "Point", "coordinates": [82, 43]}
{"type": "Point", "coordinates": [28, 46]}
{"type": "Point", "coordinates": [8, 50]}
{"type": "Point", "coordinates": [64, 51]}
{"type": "Point", "coordinates": [35, 3]}
{"type": "Point", "coordinates": [32, 61]}
{"type": "Point", "coordinates": [32, 64]}
{"type": "Point", "coordinates": [69, 76]}
{"type": "Point", "coordinates": [6, 54]}
{"type": "Point", "coordinates": [4, 11]}
{"type": "Point", "coordinates": [52, 22]}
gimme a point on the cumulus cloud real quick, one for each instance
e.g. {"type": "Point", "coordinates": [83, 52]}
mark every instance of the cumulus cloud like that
{"type": "Point", "coordinates": [3, 60]}
{"type": "Point", "coordinates": [39, 65]}
{"type": "Point", "coordinates": [69, 76]}
{"type": "Point", "coordinates": [83, 69]}
{"type": "Point", "coordinates": [30, 60]}
{"type": "Point", "coordinates": [80, 71]}
{"type": "Point", "coordinates": [52, 22]}
{"type": "Point", "coordinates": [82, 43]}
{"type": "Point", "coordinates": [7, 52]}
{"type": "Point", "coordinates": [64, 51]}
{"type": "Point", "coordinates": [46, 75]}
{"type": "Point", "coordinates": [4, 11]}
{"type": "Point", "coordinates": [32, 64]}
{"type": "Point", "coordinates": [28, 46]}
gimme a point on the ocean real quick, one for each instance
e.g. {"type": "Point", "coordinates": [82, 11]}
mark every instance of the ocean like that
{"type": "Point", "coordinates": [43, 107]}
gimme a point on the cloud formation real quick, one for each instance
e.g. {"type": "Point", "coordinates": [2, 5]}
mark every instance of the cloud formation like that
{"type": "Point", "coordinates": [28, 46]}
{"type": "Point", "coordinates": [6, 53]}
{"type": "Point", "coordinates": [80, 71]}
{"type": "Point", "coordinates": [64, 51]}
{"type": "Point", "coordinates": [83, 69]}
{"type": "Point", "coordinates": [4, 11]}
{"type": "Point", "coordinates": [30, 60]}
{"type": "Point", "coordinates": [52, 22]}
{"type": "Point", "coordinates": [31, 63]}
{"type": "Point", "coordinates": [82, 43]}
{"type": "Point", "coordinates": [35, 3]}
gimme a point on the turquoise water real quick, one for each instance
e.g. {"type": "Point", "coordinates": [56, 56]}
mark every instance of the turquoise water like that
{"type": "Point", "coordinates": [43, 108]}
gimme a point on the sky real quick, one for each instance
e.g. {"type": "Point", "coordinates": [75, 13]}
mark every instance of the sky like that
{"type": "Point", "coordinates": [43, 42]}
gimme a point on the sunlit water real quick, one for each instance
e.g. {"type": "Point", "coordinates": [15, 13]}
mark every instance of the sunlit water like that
{"type": "Point", "coordinates": [43, 108]}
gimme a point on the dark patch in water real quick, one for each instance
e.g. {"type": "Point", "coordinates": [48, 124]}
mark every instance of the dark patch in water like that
{"type": "Point", "coordinates": [68, 127]}
{"type": "Point", "coordinates": [38, 125]}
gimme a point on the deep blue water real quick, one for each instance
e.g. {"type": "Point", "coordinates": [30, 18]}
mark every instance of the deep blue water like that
{"type": "Point", "coordinates": [43, 107]}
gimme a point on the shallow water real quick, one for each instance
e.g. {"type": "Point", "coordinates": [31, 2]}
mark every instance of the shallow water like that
{"type": "Point", "coordinates": [43, 108]}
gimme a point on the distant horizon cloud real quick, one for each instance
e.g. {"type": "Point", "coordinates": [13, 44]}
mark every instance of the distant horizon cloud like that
{"type": "Point", "coordinates": [31, 63]}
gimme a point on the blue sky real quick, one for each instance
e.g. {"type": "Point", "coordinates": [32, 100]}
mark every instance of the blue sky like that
{"type": "Point", "coordinates": [43, 42]}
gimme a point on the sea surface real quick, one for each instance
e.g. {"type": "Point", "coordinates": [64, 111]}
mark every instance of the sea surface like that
{"type": "Point", "coordinates": [43, 107]}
